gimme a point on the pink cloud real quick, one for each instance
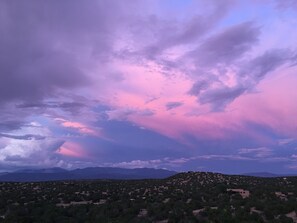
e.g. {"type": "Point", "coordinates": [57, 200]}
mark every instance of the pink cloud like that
{"type": "Point", "coordinates": [72, 149]}
{"type": "Point", "coordinates": [274, 106]}
{"type": "Point", "coordinates": [270, 107]}
{"type": "Point", "coordinates": [80, 127]}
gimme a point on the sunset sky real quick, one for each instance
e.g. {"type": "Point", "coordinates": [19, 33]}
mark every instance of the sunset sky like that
{"type": "Point", "coordinates": [176, 84]}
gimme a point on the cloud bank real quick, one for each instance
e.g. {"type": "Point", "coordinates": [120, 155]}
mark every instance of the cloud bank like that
{"type": "Point", "coordinates": [163, 84]}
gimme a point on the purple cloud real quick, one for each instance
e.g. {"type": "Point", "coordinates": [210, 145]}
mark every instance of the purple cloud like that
{"type": "Point", "coordinates": [198, 86]}
{"type": "Point", "coordinates": [173, 104]}
{"type": "Point", "coordinates": [227, 46]}
{"type": "Point", "coordinates": [219, 98]}
{"type": "Point", "coordinates": [169, 34]}
{"type": "Point", "coordinates": [258, 67]}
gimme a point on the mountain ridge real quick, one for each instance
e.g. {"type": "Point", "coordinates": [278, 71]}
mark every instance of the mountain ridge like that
{"type": "Point", "coordinates": [267, 174]}
{"type": "Point", "coordinates": [54, 174]}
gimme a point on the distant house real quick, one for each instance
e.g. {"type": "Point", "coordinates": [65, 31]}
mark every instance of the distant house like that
{"type": "Point", "coordinates": [242, 192]}
{"type": "Point", "coordinates": [281, 195]}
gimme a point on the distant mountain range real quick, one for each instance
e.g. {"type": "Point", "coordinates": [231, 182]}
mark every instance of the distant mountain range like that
{"type": "Point", "coordinates": [267, 174]}
{"type": "Point", "coordinates": [108, 173]}
{"type": "Point", "coordinates": [52, 174]}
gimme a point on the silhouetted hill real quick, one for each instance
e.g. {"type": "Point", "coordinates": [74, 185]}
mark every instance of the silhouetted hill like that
{"type": "Point", "coordinates": [53, 174]}
{"type": "Point", "coordinates": [183, 197]}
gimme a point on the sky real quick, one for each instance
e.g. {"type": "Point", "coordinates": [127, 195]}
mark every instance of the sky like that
{"type": "Point", "coordinates": [181, 85]}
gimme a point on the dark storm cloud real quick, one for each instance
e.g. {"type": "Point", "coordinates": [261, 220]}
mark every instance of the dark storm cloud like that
{"type": "Point", "coordinates": [72, 107]}
{"type": "Point", "coordinates": [23, 137]}
{"type": "Point", "coordinates": [227, 46]}
{"type": "Point", "coordinates": [41, 44]}
{"type": "Point", "coordinates": [51, 105]}
{"type": "Point", "coordinates": [47, 50]}
{"type": "Point", "coordinates": [9, 125]}
{"type": "Point", "coordinates": [173, 104]}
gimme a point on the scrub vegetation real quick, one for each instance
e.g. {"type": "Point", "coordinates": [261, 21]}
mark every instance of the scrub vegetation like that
{"type": "Point", "coordinates": [184, 197]}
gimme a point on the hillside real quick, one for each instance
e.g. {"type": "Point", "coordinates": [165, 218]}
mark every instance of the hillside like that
{"type": "Point", "coordinates": [184, 197]}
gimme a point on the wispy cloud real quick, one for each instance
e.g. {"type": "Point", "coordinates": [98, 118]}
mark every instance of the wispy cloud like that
{"type": "Point", "coordinates": [256, 152]}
